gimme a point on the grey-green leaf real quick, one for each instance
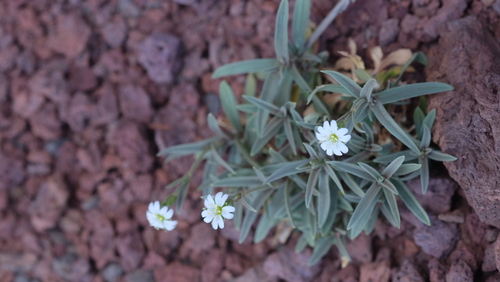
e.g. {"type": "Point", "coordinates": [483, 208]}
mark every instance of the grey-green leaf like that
{"type": "Point", "coordinates": [281, 33]}
{"type": "Point", "coordinates": [412, 90]}
{"type": "Point", "coordinates": [300, 21]}
{"type": "Point", "coordinates": [228, 102]}
{"type": "Point", "coordinates": [365, 206]}
{"type": "Point", "coordinates": [311, 184]}
{"type": "Point", "coordinates": [248, 66]}
{"type": "Point", "coordinates": [324, 198]}
{"type": "Point", "coordinates": [388, 122]}
{"type": "Point", "coordinates": [352, 87]}
{"type": "Point", "coordinates": [440, 156]}
{"type": "Point", "coordinates": [393, 167]}
{"type": "Point", "coordinates": [412, 203]}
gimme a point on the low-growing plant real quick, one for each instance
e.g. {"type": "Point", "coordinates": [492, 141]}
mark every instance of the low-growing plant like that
{"type": "Point", "coordinates": [285, 157]}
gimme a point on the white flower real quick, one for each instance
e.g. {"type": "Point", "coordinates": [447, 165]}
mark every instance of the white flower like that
{"type": "Point", "coordinates": [160, 217]}
{"type": "Point", "coordinates": [332, 138]}
{"type": "Point", "coordinates": [215, 210]}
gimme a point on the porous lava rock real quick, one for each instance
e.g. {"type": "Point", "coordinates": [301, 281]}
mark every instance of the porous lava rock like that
{"type": "Point", "coordinates": [468, 120]}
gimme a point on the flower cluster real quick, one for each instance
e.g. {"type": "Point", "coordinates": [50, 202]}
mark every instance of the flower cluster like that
{"type": "Point", "coordinates": [215, 211]}
{"type": "Point", "coordinates": [332, 139]}
{"type": "Point", "coordinates": [160, 217]}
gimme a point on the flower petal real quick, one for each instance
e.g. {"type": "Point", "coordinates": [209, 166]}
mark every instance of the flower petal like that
{"type": "Point", "coordinates": [215, 222]}
{"type": "Point", "coordinates": [336, 150]}
{"type": "Point", "coordinates": [209, 218]}
{"type": "Point", "coordinates": [343, 148]}
{"type": "Point", "coordinates": [205, 213]}
{"type": "Point", "coordinates": [326, 125]}
{"type": "Point", "coordinates": [333, 125]}
{"type": "Point", "coordinates": [220, 199]}
{"type": "Point", "coordinates": [170, 224]}
{"type": "Point", "coordinates": [221, 223]}
{"type": "Point", "coordinates": [342, 131]}
{"type": "Point", "coordinates": [227, 214]}
{"type": "Point", "coordinates": [329, 151]}
{"type": "Point", "coordinates": [345, 138]}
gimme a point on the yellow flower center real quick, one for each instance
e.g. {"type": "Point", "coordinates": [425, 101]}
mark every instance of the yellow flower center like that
{"type": "Point", "coordinates": [160, 217]}
{"type": "Point", "coordinates": [218, 210]}
{"type": "Point", "coordinates": [334, 138]}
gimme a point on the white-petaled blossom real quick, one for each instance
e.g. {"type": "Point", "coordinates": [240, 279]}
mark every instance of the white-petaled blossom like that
{"type": "Point", "coordinates": [216, 210]}
{"type": "Point", "coordinates": [332, 139]}
{"type": "Point", "coordinates": [160, 217]}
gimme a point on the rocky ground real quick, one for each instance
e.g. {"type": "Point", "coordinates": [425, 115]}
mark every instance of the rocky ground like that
{"type": "Point", "coordinates": [91, 90]}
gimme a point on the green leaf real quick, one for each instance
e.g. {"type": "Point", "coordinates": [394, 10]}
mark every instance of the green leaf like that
{"type": "Point", "coordinates": [312, 153]}
{"type": "Point", "coordinates": [418, 119]}
{"type": "Point", "coordinates": [301, 244]}
{"type": "Point", "coordinates": [409, 156]}
{"type": "Point", "coordinates": [386, 120]}
{"type": "Point", "coordinates": [323, 245]}
{"type": "Point", "coordinates": [328, 88]}
{"type": "Point", "coordinates": [266, 223]}
{"type": "Point", "coordinates": [430, 118]}
{"type": "Point", "coordinates": [182, 150]}
{"type": "Point", "coordinates": [352, 184]}
{"type": "Point", "coordinates": [248, 66]}
{"type": "Point", "coordinates": [334, 177]}
{"type": "Point", "coordinates": [289, 135]}
{"type": "Point", "coordinates": [387, 184]}
{"type": "Point", "coordinates": [261, 104]}
{"type": "Point", "coordinates": [297, 77]}
{"type": "Point", "coordinates": [390, 197]}
{"type": "Point", "coordinates": [250, 217]}
{"type": "Point", "coordinates": [412, 203]}
{"type": "Point", "coordinates": [406, 169]}
{"type": "Point", "coordinates": [426, 137]}
{"type": "Point", "coordinates": [288, 168]}
{"type": "Point", "coordinates": [214, 126]}
{"type": "Point", "coordinates": [412, 90]}
{"type": "Point", "coordinates": [393, 167]}
{"type": "Point", "coordinates": [352, 87]}
{"type": "Point", "coordinates": [288, 192]}
{"type": "Point", "coordinates": [365, 207]}
{"type": "Point", "coordinates": [281, 33]}
{"type": "Point", "coordinates": [238, 181]}
{"type": "Point", "coordinates": [424, 174]}
{"type": "Point", "coordinates": [181, 192]}
{"type": "Point", "coordinates": [440, 156]}
{"type": "Point", "coordinates": [220, 160]}
{"type": "Point", "coordinates": [270, 131]}
{"type": "Point", "coordinates": [363, 75]}
{"type": "Point", "coordinates": [370, 170]}
{"type": "Point", "coordinates": [352, 169]}
{"type": "Point", "coordinates": [250, 85]}
{"type": "Point", "coordinates": [229, 105]}
{"type": "Point", "coordinates": [311, 184]}
{"type": "Point", "coordinates": [324, 198]}
{"type": "Point", "coordinates": [367, 90]}
{"type": "Point", "coordinates": [247, 108]}
{"type": "Point", "coordinates": [300, 21]}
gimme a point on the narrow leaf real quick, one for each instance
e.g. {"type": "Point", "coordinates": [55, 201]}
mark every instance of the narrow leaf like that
{"type": "Point", "coordinates": [393, 167]}
{"type": "Point", "coordinates": [220, 160]}
{"type": "Point", "coordinates": [281, 33]}
{"type": "Point", "coordinates": [365, 207]}
{"type": "Point", "coordinates": [440, 156]}
{"type": "Point", "coordinates": [424, 174]}
{"type": "Point", "coordinates": [426, 137]}
{"type": "Point", "coordinates": [370, 170]}
{"type": "Point", "coordinates": [349, 84]}
{"type": "Point", "coordinates": [406, 169]}
{"type": "Point", "coordinates": [300, 21]}
{"type": "Point", "coordinates": [287, 169]}
{"type": "Point", "coordinates": [334, 177]}
{"type": "Point", "coordinates": [328, 88]}
{"type": "Point", "coordinates": [228, 102]}
{"type": "Point", "coordinates": [311, 184]}
{"type": "Point", "coordinates": [412, 203]}
{"type": "Point", "coordinates": [249, 66]}
{"type": "Point", "coordinates": [214, 126]}
{"type": "Point", "coordinates": [261, 104]}
{"type": "Point", "coordinates": [297, 77]}
{"type": "Point", "coordinates": [323, 245]}
{"type": "Point", "coordinates": [386, 120]}
{"type": "Point", "coordinates": [324, 198]}
{"type": "Point", "coordinates": [412, 90]}
{"type": "Point", "coordinates": [352, 169]}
